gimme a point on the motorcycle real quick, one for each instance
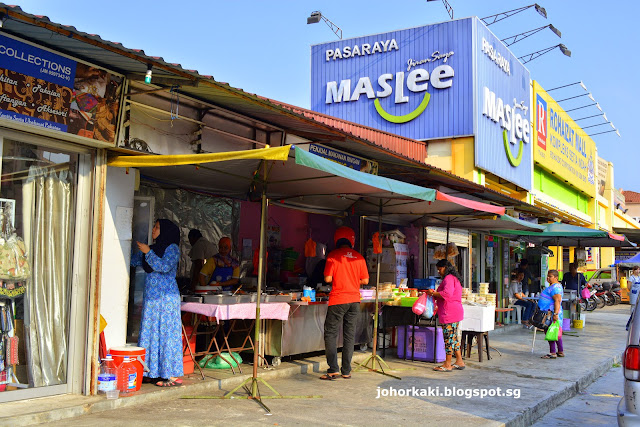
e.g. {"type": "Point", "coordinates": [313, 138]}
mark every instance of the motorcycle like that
{"type": "Point", "coordinates": [588, 304]}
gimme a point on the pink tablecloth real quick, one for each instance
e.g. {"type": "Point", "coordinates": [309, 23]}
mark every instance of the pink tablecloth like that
{"type": "Point", "coordinates": [268, 310]}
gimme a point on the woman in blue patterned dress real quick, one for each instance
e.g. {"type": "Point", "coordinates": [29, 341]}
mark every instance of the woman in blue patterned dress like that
{"type": "Point", "coordinates": [161, 326]}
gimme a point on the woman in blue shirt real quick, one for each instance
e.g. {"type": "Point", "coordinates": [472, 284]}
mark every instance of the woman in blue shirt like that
{"type": "Point", "coordinates": [551, 299]}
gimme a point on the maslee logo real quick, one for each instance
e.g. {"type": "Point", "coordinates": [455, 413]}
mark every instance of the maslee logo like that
{"type": "Point", "coordinates": [513, 121]}
{"type": "Point", "coordinates": [541, 121]}
{"type": "Point", "coordinates": [417, 81]}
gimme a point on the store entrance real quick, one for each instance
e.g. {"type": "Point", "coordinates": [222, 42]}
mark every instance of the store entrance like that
{"type": "Point", "coordinates": [43, 184]}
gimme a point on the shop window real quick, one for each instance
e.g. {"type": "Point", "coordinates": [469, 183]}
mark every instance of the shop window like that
{"type": "Point", "coordinates": [38, 199]}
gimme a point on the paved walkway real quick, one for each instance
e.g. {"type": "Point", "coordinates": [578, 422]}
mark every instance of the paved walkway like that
{"type": "Point", "coordinates": [542, 385]}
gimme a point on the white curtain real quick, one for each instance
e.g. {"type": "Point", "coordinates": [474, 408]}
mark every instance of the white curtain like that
{"type": "Point", "coordinates": [47, 219]}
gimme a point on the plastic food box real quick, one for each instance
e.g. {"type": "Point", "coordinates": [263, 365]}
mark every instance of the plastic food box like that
{"type": "Point", "coordinates": [408, 301]}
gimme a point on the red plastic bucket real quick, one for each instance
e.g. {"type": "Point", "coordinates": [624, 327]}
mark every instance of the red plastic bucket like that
{"type": "Point", "coordinates": [137, 356]}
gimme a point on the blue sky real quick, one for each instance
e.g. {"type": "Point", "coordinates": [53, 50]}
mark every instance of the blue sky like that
{"type": "Point", "coordinates": [263, 47]}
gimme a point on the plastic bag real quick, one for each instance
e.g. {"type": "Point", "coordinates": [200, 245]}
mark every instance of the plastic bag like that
{"type": "Point", "coordinates": [553, 332]}
{"type": "Point", "coordinates": [430, 308]}
{"type": "Point", "coordinates": [13, 259]}
{"type": "Point", "coordinates": [420, 305]}
{"type": "Point", "coordinates": [584, 293]}
{"type": "Point", "coordinates": [377, 243]}
{"type": "Point", "coordinates": [218, 362]}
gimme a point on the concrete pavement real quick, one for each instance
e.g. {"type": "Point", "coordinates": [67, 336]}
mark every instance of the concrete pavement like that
{"type": "Point", "coordinates": [542, 385]}
{"type": "Point", "coordinates": [595, 406]}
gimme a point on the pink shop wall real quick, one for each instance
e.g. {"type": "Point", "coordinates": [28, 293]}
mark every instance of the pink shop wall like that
{"type": "Point", "coordinates": [295, 227]}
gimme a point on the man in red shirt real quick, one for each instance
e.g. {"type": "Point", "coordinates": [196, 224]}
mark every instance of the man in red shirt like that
{"type": "Point", "coordinates": [346, 270]}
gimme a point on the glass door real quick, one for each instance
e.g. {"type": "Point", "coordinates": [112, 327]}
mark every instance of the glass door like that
{"type": "Point", "coordinates": [38, 225]}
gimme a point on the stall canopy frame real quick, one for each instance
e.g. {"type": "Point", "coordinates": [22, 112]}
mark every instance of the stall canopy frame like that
{"type": "Point", "coordinates": [310, 182]}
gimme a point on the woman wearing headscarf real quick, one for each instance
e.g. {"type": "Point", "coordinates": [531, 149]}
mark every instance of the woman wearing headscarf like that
{"type": "Point", "coordinates": [160, 329]}
{"type": "Point", "coordinates": [448, 298]}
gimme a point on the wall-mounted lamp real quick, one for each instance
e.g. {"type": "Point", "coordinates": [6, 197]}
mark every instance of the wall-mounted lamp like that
{"type": "Point", "coordinates": [317, 16]}
{"type": "Point", "coordinates": [585, 106]}
{"type": "Point", "coordinates": [570, 84]}
{"type": "Point", "coordinates": [519, 37]}
{"type": "Point", "coordinates": [578, 96]}
{"type": "Point", "coordinates": [492, 19]}
{"type": "Point", "coordinates": [147, 77]}
{"type": "Point", "coordinates": [531, 56]}
{"type": "Point", "coordinates": [3, 18]}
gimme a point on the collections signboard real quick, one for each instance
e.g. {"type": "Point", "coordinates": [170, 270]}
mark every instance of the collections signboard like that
{"type": "Point", "coordinates": [417, 82]}
{"type": "Point", "coordinates": [44, 89]}
{"type": "Point", "coordinates": [561, 146]}
{"type": "Point", "coordinates": [503, 135]}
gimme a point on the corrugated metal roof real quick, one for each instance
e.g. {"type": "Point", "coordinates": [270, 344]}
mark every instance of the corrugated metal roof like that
{"type": "Point", "coordinates": [409, 148]}
{"type": "Point", "coordinates": [403, 154]}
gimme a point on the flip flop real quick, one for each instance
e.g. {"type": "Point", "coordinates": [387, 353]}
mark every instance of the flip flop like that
{"type": "Point", "coordinates": [549, 356]}
{"type": "Point", "coordinates": [347, 377]}
{"type": "Point", "coordinates": [560, 354]}
{"type": "Point", "coordinates": [459, 368]}
{"type": "Point", "coordinates": [329, 377]}
{"type": "Point", "coordinates": [441, 369]}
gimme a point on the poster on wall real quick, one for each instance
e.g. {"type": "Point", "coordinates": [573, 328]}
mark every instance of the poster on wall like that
{"type": "Point", "coordinates": [402, 254]}
{"type": "Point", "coordinates": [603, 170]}
{"type": "Point", "coordinates": [503, 136]}
{"type": "Point", "coordinates": [51, 91]}
{"type": "Point", "coordinates": [561, 146]}
{"type": "Point", "coordinates": [417, 82]}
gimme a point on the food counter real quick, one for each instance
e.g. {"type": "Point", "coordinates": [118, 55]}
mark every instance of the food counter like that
{"type": "Point", "coordinates": [303, 332]}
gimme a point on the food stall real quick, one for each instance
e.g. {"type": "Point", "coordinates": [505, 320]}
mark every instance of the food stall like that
{"type": "Point", "coordinates": [295, 184]}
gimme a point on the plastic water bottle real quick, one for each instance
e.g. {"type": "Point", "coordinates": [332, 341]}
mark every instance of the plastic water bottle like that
{"type": "Point", "coordinates": [107, 381]}
{"type": "Point", "coordinates": [127, 376]}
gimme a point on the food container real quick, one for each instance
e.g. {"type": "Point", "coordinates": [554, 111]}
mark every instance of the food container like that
{"type": "Point", "coordinates": [295, 296]}
{"type": "Point", "coordinates": [220, 299]}
{"type": "Point", "coordinates": [205, 289]}
{"type": "Point", "coordinates": [276, 298]}
{"type": "Point", "coordinates": [408, 301]}
{"type": "Point", "coordinates": [367, 293]}
{"type": "Point", "coordinates": [245, 299]}
{"type": "Point", "coordinates": [192, 298]}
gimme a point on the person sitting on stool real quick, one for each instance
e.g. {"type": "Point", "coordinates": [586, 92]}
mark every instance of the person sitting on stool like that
{"type": "Point", "coordinates": [517, 292]}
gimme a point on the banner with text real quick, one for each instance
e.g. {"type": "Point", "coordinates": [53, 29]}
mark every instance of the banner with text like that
{"type": "Point", "coordinates": [561, 146]}
{"type": "Point", "coordinates": [44, 89]}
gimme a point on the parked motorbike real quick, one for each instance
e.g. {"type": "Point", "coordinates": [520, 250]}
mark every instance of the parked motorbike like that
{"type": "Point", "coordinates": [589, 304]}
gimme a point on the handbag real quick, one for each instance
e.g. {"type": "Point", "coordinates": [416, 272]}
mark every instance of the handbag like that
{"type": "Point", "coordinates": [540, 318]}
{"type": "Point", "coordinates": [553, 332]}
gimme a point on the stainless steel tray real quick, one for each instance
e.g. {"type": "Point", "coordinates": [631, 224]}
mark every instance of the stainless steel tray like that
{"type": "Point", "coordinates": [220, 299]}
{"type": "Point", "coordinates": [192, 298]}
{"type": "Point", "coordinates": [275, 298]}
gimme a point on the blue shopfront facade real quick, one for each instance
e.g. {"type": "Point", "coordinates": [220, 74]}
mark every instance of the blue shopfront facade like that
{"type": "Point", "coordinates": [446, 80]}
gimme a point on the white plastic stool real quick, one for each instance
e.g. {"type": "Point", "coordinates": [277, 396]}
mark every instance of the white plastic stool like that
{"type": "Point", "coordinates": [517, 310]}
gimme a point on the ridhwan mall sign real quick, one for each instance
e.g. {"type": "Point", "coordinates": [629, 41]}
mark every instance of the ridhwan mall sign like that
{"type": "Point", "coordinates": [416, 82]}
